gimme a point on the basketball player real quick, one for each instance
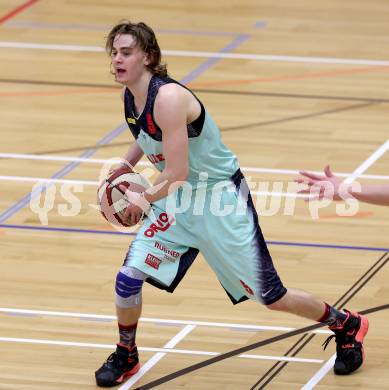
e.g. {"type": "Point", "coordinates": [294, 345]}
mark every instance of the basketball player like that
{"type": "Point", "coordinates": [174, 130]}
{"type": "Point", "coordinates": [369, 193]}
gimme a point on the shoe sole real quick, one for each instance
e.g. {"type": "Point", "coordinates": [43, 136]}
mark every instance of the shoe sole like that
{"type": "Point", "coordinates": [128, 374]}
{"type": "Point", "coordinates": [362, 332]}
{"type": "Point", "coordinates": [121, 379]}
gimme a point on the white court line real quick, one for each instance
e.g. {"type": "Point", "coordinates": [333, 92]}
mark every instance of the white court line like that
{"type": "Point", "coordinates": [154, 320]}
{"type": "Point", "coordinates": [206, 54]}
{"type": "Point", "coordinates": [148, 349]}
{"type": "Point", "coordinates": [157, 357]}
{"type": "Point", "coordinates": [27, 45]}
{"type": "Point", "coordinates": [44, 180]}
{"type": "Point", "coordinates": [369, 162]}
{"type": "Point", "coordinates": [320, 374]}
{"type": "Point", "coordinates": [349, 177]}
{"type": "Point", "coordinates": [146, 163]}
{"type": "Point", "coordinates": [96, 183]}
{"type": "Point", "coordinates": [39, 157]}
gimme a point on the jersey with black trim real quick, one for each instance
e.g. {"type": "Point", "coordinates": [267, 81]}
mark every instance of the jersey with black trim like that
{"type": "Point", "coordinates": [207, 153]}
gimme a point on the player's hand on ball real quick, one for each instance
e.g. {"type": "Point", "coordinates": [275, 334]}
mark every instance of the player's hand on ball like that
{"type": "Point", "coordinates": [138, 206]}
{"type": "Point", "coordinates": [119, 199]}
{"type": "Point", "coordinates": [118, 167]}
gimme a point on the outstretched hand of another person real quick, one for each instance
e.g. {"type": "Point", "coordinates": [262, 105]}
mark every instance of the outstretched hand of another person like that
{"type": "Point", "coordinates": [327, 186]}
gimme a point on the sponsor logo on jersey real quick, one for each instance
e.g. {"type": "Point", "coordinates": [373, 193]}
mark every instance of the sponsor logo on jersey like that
{"type": "Point", "coordinates": [265, 294]}
{"type": "Point", "coordinates": [153, 261]}
{"type": "Point", "coordinates": [162, 224]}
{"type": "Point", "coordinates": [156, 158]}
{"type": "Point", "coordinates": [169, 254]}
{"type": "Point", "coordinates": [169, 259]}
{"type": "Point", "coordinates": [150, 124]}
{"type": "Point", "coordinates": [131, 121]}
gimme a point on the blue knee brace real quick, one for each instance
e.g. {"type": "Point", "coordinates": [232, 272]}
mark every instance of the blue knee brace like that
{"type": "Point", "coordinates": [128, 287]}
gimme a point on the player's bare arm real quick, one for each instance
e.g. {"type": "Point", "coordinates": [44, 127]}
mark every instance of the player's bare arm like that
{"type": "Point", "coordinates": [173, 109]}
{"type": "Point", "coordinates": [373, 193]}
{"type": "Point", "coordinates": [133, 155]}
{"type": "Point", "coordinates": [172, 112]}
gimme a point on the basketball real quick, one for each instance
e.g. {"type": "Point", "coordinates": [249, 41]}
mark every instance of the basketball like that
{"type": "Point", "coordinates": [112, 193]}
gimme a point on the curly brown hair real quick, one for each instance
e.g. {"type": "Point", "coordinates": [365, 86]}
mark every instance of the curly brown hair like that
{"type": "Point", "coordinates": [145, 38]}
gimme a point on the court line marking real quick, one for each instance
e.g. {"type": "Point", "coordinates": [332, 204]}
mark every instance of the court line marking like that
{"type": "Point", "coordinates": [295, 76]}
{"type": "Point", "coordinates": [301, 117]}
{"type": "Point", "coordinates": [329, 364]}
{"type": "Point", "coordinates": [368, 162]}
{"type": "Point", "coordinates": [109, 87]}
{"type": "Point", "coordinates": [22, 202]}
{"type": "Point", "coordinates": [196, 89]}
{"type": "Point", "coordinates": [96, 183]}
{"type": "Point", "coordinates": [165, 349]}
{"type": "Point", "coordinates": [277, 367]}
{"type": "Point", "coordinates": [205, 54]}
{"type": "Point", "coordinates": [17, 10]}
{"type": "Point", "coordinates": [355, 288]}
{"type": "Point", "coordinates": [281, 243]}
{"type": "Point", "coordinates": [48, 180]}
{"type": "Point", "coordinates": [157, 357]}
{"type": "Point", "coordinates": [107, 27]}
{"type": "Point", "coordinates": [152, 320]}
{"type": "Point", "coordinates": [271, 340]}
{"type": "Point", "coordinates": [24, 156]}
{"type": "Point", "coordinates": [221, 91]}
{"type": "Point", "coordinates": [293, 351]}
{"type": "Point", "coordinates": [195, 73]}
{"type": "Point", "coordinates": [58, 92]}
{"type": "Point", "coordinates": [320, 374]}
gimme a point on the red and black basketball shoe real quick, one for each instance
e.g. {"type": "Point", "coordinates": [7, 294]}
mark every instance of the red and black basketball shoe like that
{"type": "Point", "coordinates": [121, 364]}
{"type": "Point", "coordinates": [349, 343]}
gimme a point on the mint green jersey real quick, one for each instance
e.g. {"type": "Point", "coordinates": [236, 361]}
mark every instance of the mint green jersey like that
{"type": "Point", "coordinates": [207, 153]}
{"type": "Point", "coordinates": [205, 221]}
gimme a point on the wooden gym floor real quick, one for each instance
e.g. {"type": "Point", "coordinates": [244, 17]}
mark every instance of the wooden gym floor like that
{"type": "Point", "coordinates": [293, 85]}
